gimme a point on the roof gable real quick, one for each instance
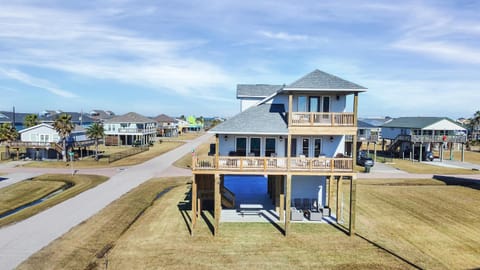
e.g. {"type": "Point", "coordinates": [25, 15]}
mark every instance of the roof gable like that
{"type": "Point", "coordinates": [418, 122]}
{"type": "Point", "coordinates": [37, 126]}
{"type": "Point", "coordinates": [445, 124]}
{"type": "Point", "coordinates": [130, 117]}
{"type": "Point", "coordinates": [319, 80]}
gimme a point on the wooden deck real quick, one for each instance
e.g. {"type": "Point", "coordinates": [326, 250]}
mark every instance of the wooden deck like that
{"type": "Point", "coordinates": [264, 165]}
{"type": "Point", "coordinates": [328, 119]}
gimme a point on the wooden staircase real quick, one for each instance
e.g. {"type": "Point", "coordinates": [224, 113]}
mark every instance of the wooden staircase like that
{"type": "Point", "coordinates": [57, 147]}
{"type": "Point", "coordinates": [397, 142]}
{"type": "Point", "coordinates": [228, 198]}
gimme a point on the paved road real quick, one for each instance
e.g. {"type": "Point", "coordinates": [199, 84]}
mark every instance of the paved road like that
{"type": "Point", "coordinates": [19, 241]}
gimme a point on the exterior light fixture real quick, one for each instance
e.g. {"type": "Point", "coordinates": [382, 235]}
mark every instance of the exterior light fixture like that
{"type": "Point", "coordinates": [226, 137]}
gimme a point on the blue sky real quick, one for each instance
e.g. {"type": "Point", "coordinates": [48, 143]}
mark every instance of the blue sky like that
{"type": "Point", "coordinates": [186, 57]}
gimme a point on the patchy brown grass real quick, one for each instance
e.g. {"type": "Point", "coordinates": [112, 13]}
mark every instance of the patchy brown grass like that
{"type": "Point", "coordinates": [154, 151]}
{"type": "Point", "coordinates": [24, 192]}
{"type": "Point", "coordinates": [420, 221]}
{"type": "Point", "coordinates": [88, 243]}
{"type": "Point", "coordinates": [425, 168]}
{"type": "Point", "coordinates": [432, 225]}
{"type": "Point", "coordinates": [186, 161]}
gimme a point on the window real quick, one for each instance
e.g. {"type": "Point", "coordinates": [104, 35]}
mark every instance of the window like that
{"type": "Point", "coordinates": [302, 104]}
{"type": "Point", "coordinates": [305, 147]}
{"type": "Point", "coordinates": [241, 146]}
{"type": "Point", "coordinates": [255, 146]}
{"type": "Point", "coordinates": [270, 146]}
{"type": "Point", "coordinates": [314, 104]}
{"type": "Point", "coordinates": [317, 147]}
{"type": "Point", "coordinates": [326, 104]}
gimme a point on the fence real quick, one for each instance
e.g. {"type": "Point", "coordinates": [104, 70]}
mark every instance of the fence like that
{"type": "Point", "coordinates": [123, 154]}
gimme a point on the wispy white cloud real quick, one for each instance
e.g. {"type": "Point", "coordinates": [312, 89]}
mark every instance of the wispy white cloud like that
{"type": "Point", "coordinates": [36, 82]}
{"type": "Point", "coordinates": [78, 43]}
{"type": "Point", "coordinates": [283, 36]}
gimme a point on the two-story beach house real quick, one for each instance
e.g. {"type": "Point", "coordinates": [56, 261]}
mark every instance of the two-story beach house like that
{"type": "Point", "coordinates": [130, 129]}
{"type": "Point", "coordinates": [411, 135]}
{"type": "Point", "coordinates": [293, 136]}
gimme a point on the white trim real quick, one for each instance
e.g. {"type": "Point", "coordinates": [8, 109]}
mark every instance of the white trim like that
{"type": "Point", "coordinates": [253, 133]}
{"type": "Point", "coordinates": [34, 127]}
{"type": "Point", "coordinates": [323, 89]}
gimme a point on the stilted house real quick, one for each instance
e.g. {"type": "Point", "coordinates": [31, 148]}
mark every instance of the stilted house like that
{"type": "Point", "coordinates": [283, 157]}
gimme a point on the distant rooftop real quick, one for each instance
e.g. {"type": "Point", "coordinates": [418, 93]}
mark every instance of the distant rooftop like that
{"type": "Point", "coordinates": [130, 117]}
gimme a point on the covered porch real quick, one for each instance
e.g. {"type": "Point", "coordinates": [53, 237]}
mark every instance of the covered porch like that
{"type": "Point", "coordinates": [277, 199]}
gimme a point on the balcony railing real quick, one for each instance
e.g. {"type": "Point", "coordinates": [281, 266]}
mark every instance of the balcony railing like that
{"type": "Point", "coordinates": [439, 138]}
{"type": "Point", "coordinates": [266, 164]}
{"type": "Point", "coordinates": [135, 130]}
{"type": "Point", "coordinates": [329, 119]}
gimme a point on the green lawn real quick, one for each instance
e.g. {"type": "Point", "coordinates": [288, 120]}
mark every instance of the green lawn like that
{"type": "Point", "coordinates": [24, 192]}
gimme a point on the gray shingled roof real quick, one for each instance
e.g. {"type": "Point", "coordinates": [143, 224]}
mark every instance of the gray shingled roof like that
{"type": "Point", "coordinates": [256, 90]}
{"type": "Point", "coordinates": [163, 118]}
{"type": "Point", "coordinates": [415, 122]}
{"type": "Point", "coordinates": [130, 117]}
{"type": "Point", "coordinates": [264, 118]}
{"type": "Point", "coordinates": [363, 124]}
{"type": "Point", "coordinates": [320, 80]}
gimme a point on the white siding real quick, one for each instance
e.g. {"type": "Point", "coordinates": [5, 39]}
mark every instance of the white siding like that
{"type": "Point", "coordinates": [246, 103]}
{"type": "Point", "coordinates": [308, 187]}
{"type": "Point", "coordinates": [35, 134]}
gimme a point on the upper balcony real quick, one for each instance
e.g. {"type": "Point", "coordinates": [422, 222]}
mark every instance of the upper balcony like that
{"type": "Point", "coordinates": [324, 119]}
{"type": "Point", "coordinates": [326, 123]}
{"type": "Point", "coordinates": [269, 165]}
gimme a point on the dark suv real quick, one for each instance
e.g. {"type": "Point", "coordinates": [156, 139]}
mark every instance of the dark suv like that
{"type": "Point", "coordinates": [364, 160]}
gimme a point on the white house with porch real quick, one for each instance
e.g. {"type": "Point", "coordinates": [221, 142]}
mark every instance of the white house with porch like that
{"type": "Point", "coordinates": [292, 136]}
{"type": "Point", "coordinates": [130, 129]}
{"type": "Point", "coordinates": [43, 141]}
{"type": "Point", "coordinates": [411, 136]}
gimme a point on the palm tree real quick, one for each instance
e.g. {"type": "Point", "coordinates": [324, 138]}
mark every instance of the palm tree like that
{"type": "Point", "coordinates": [96, 131]}
{"type": "Point", "coordinates": [31, 120]}
{"type": "Point", "coordinates": [8, 133]}
{"type": "Point", "coordinates": [475, 122]}
{"type": "Point", "coordinates": [64, 126]}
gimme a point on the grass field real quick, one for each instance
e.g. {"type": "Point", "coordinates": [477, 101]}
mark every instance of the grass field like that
{"type": "Point", "coordinates": [184, 136]}
{"type": "Point", "coordinates": [156, 150]}
{"type": "Point", "coordinates": [24, 192]}
{"type": "Point", "coordinates": [186, 161]}
{"type": "Point", "coordinates": [432, 225]}
{"type": "Point", "coordinates": [400, 224]}
{"type": "Point", "coordinates": [424, 167]}
{"type": "Point", "coordinates": [80, 247]}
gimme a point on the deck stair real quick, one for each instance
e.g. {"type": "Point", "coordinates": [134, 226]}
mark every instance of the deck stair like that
{"type": "Point", "coordinates": [398, 141]}
{"type": "Point", "coordinates": [228, 198]}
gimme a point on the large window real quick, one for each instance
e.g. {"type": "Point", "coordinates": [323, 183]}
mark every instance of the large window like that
{"type": "Point", "coordinates": [255, 146]}
{"type": "Point", "coordinates": [314, 104]}
{"type": "Point", "coordinates": [269, 146]}
{"type": "Point", "coordinates": [317, 150]}
{"type": "Point", "coordinates": [302, 104]}
{"type": "Point", "coordinates": [305, 146]}
{"type": "Point", "coordinates": [241, 146]}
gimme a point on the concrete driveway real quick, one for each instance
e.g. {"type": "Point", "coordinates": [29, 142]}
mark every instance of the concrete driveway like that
{"type": "Point", "coordinates": [20, 240]}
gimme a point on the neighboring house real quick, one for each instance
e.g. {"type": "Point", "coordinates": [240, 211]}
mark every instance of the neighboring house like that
{"type": "Point", "coordinates": [166, 126]}
{"type": "Point", "coordinates": [251, 94]}
{"type": "Point", "coordinates": [43, 141]}
{"type": "Point", "coordinates": [410, 135]}
{"type": "Point", "coordinates": [101, 115]}
{"type": "Point", "coordinates": [130, 129]}
{"type": "Point", "coordinates": [189, 125]}
{"type": "Point", "coordinates": [79, 119]}
{"type": "Point", "coordinates": [9, 117]}
{"type": "Point", "coordinates": [295, 137]}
